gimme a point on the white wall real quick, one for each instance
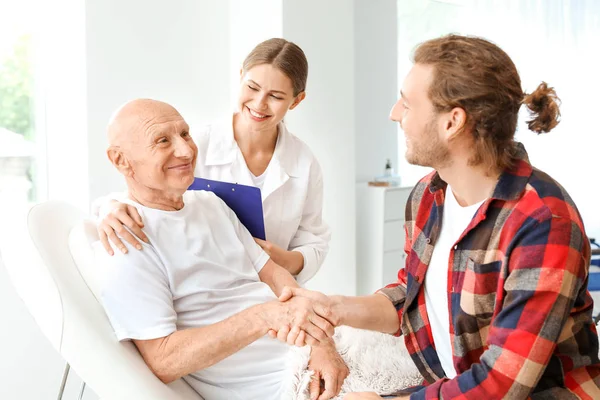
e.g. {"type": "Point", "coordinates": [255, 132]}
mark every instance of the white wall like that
{"type": "Point", "coordinates": [324, 120]}
{"type": "Point", "coordinates": [173, 51]}
{"type": "Point", "coordinates": [375, 86]}
{"type": "Point", "coordinates": [250, 22]}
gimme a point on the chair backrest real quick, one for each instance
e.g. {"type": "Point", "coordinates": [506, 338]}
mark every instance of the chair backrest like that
{"type": "Point", "coordinates": [65, 306]}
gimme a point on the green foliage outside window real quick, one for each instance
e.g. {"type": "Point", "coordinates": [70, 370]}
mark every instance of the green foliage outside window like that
{"type": "Point", "coordinates": [16, 89]}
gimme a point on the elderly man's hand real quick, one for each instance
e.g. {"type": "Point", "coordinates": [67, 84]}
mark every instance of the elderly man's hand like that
{"type": "Point", "coordinates": [324, 306]}
{"type": "Point", "coordinates": [299, 314]}
{"type": "Point", "coordinates": [328, 367]}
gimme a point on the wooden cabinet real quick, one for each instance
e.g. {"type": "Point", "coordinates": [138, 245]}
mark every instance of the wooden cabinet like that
{"type": "Point", "coordinates": [380, 235]}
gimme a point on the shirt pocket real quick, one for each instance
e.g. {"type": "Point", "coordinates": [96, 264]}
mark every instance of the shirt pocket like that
{"type": "Point", "coordinates": [479, 288]}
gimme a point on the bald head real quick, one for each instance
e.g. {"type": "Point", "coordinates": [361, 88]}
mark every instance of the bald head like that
{"type": "Point", "coordinates": [134, 117]}
{"type": "Point", "coordinates": [150, 144]}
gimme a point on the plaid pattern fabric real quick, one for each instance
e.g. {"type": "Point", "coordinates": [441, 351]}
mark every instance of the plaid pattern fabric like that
{"type": "Point", "coordinates": [521, 315]}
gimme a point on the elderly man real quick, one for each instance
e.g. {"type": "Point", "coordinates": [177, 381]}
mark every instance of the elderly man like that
{"type": "Point", "coordinates": [200, 298]}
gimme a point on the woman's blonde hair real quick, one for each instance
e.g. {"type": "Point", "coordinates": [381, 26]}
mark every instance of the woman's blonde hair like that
{"type": "Point", "coordinates": [286, 56]}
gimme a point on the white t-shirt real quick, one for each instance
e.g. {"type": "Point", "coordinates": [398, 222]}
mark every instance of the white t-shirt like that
{"type": "Point", "coordinates": [259, 181]}
{"type": "Point", "coordinates": [201, 267]}
{"type": "Point", "coordinates": [455, 220]}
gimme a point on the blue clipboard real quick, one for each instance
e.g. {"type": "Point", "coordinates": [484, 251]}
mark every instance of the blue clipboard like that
{"type": "Point", "coordinates": [245, 201]}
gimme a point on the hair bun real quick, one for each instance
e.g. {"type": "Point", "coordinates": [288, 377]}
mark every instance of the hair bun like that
{"type": "Point", "coordinates": [543, 105]}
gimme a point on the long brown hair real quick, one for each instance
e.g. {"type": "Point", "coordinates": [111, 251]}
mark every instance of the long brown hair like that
{"type": "Point", "coordinates": [479, 77]}
{"type": "Point", "coordinates": [286, 56]}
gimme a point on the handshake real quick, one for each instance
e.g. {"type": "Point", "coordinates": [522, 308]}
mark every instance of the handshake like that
{"type": "Point", "coordinates": [302, 317]}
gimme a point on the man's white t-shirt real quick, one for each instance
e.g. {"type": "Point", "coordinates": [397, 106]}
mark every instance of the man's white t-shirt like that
{"type": "Point", "coordinates": [200, 268]}
{"type": "Point", "coordinates": [455, 220]}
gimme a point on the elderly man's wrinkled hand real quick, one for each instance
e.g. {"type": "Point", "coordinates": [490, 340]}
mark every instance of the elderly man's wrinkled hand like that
{"type": "Point", "coordinates": [293, 336]}
{"type": "Point", "coordinates": [322, 304]}
{"type": "Point", "coordinates": [297, 315]}
{"type": "Point", "coordinates": [328, 367]}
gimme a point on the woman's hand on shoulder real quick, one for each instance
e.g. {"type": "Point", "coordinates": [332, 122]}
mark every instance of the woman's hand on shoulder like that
{"type": "Point", "coordinates": [121, 215]}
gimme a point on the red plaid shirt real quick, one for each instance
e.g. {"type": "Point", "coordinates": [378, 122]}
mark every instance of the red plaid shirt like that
{"type": "Point", "coordinates": [520, 312]}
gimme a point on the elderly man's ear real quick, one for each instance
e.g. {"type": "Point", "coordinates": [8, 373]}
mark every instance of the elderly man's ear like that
{"type": "Point", "coordinates": [119, 160]}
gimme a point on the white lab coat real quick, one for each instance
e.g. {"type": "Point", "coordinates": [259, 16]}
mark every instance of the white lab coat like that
{"type": "Point", "coordinates": [292, 193]}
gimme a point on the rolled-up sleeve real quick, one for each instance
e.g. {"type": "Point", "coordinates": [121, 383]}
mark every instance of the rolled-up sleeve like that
{"type": "Point", "coordinates": [396, 292]}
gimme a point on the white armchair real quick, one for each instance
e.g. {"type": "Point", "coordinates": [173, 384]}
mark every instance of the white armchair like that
{"type": "Point", "coordinates": [58, 284]}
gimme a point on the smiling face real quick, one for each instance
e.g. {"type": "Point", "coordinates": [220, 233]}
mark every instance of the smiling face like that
{"type": "Point", "coordinates": [422, 126]}
{"type": "Point", "coordinates": [156, 151]}
{"type": "Point", "coordinates": [266, 94]}
{"type": "Point", "coordinates": [166, 155]}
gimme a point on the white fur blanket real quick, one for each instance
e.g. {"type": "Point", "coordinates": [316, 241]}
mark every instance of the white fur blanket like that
{"type": "Point", "coordinates": [378, 363]}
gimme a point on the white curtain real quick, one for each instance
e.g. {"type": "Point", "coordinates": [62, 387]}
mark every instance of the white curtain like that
{"type": "Point", "coordinates": [557, 41]}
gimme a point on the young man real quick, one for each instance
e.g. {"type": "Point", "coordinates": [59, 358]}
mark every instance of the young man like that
{"type": "Point", "coordinates": [493, 300]}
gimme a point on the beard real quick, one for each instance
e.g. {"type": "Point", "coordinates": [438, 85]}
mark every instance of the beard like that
{"type": "Point", "coordinates": [429, 150]}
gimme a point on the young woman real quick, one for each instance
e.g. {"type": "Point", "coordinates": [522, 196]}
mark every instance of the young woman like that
{"type": "Point", "coordinates": [255, 148]}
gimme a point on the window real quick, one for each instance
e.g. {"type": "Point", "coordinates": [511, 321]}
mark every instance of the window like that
{"type": "Point", "coordinates": [21, 161]}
